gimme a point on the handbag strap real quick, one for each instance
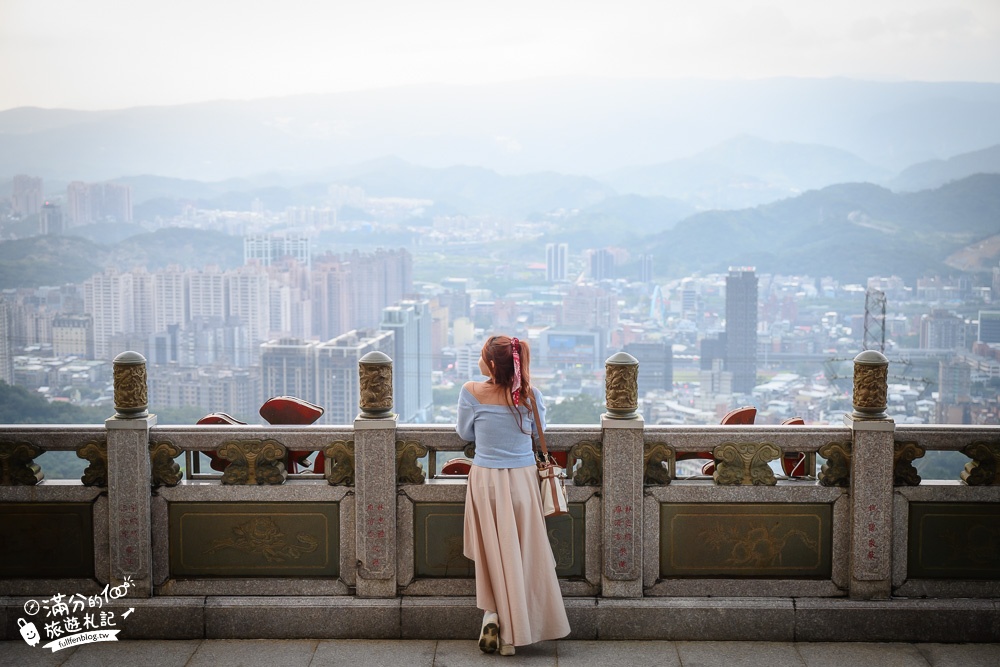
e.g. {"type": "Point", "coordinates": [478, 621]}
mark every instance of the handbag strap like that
{"type": "Point", "coordinates": [541, 434]}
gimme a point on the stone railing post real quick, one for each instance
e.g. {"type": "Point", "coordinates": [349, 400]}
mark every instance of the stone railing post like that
{"type": "Point", "coordinates": [871, 479]}
{"type": "Point", "coordinates": [375, 479]}
{"type": "Point", "coordinates": [129, 477]}
{"type": "Point", "coordinates": [621, 437]}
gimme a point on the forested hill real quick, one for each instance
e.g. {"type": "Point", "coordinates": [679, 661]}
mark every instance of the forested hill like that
{"type": "Point", "coordinates": [849, 231]}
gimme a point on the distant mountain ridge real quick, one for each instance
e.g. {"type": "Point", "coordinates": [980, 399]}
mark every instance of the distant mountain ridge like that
{"type": "Point", "coordinates": [568, 125]}
{"type": "Point", "coordinates": [746, 171]}
{"type": "Point", "coordinates": [849, 231]}
{"type": "Point", "coordinates": [938, 172]}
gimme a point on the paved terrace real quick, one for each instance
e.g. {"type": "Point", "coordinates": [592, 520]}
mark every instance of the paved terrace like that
{"type": "Point", "coordinates": [859, 549]}
{"type": "Point", "coordinates": [425, 653]}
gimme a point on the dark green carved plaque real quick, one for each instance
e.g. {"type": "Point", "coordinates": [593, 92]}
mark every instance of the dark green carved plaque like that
{"type": "Point", "coordinates": [46, 540]}
{"type": "Point", "coordinates": [954, 541]}
{"type": "Point", "coordinates": [438, 539]}
{"type": "Point", "coordinates": [746, 540]}
{"type": "Point", "coordinates": [254, 539]}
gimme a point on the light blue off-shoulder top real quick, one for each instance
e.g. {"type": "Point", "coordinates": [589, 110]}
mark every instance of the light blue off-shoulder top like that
{"type": "Point", "coordinates": [500, 443]}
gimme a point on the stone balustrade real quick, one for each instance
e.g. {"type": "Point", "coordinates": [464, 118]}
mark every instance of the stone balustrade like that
{"type": "Point", "coordinates": [379, 534]}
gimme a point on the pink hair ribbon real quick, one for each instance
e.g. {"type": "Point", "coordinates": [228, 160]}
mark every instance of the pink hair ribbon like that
{"type": "Point", "coordinates": [515, 390]}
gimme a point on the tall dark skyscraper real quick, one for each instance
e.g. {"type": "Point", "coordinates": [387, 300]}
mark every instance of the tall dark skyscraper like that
{"type": "Point", "coordinates": [741, 328]}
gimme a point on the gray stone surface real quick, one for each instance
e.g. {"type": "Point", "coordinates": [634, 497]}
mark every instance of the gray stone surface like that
{"type": "Point", "coordinates": [39, 588]}
{"type": "Point", "coordinates": [405, 540]}
{"type": "Point", "coordinates": [678, 619]}
{"type": "Point", "coordinates": [622, 521]}
{"type": "Point", "coordinates": [128, 506]}
{"type": "Point", "coordinates": [340, 652]}
{"type": "Point", "coordinates": [455, 653]}
{"type": "Point", "coordinates": [292, 618]}
{"type": "Point", "coordinates": [822, 654]}
{"type": "Point", "coordinates": [772, 654]}
{"type": "Point", "coordinates": [603, 654]}
{"type": "Point", "coordinates": [102, 541]}
{"type": "Point", "coordinates": [261, 586]}
{"type": "Point", "coordinates": [253, 653]}
{"type": "Point", "coordinates": [872, 510]}
{"type": "Point", "coordinates": [292, 491]}
{"type": "Point", "coordinates": [17, 653]}
{"type": "Point", "coordinates": [582, 615]}
{"type": "Point", "coordinates": [375, 497]}
{"type": "Point", "coordinates": [454, 618]}
{"type": "Point", "coordinates": [960, 655]}
{"type": "Point", "coordinates": [163, 618]}
{"type": "Point", "coordinates": [733, 588]}
{"type": "Point", "coordinates": [896, 620]}
{"type": "Point", "coordinates": [134, 654]}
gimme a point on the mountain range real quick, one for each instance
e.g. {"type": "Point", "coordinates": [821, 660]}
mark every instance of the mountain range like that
{"type": "Point", "coordinates": [583, 126]}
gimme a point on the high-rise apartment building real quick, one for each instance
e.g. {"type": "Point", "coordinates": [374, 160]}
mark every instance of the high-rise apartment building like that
{"type": "Point", "coordinates": [338, 388]}
{"type": "Point", "coordinates": [6, 344]}
{"type": "Point", "coordinates": [108, 298]}
{"type": "Point", "coordinates": [942, 330]}
{"type": "Point", "coordinates": [556, 255]}
{"type": "Point", "coordinates": [50, 220]}
{"type": "Point", "coordinates": [602, 265]}
{"type": "Point", "coordinates": [287, 368]}
{"type": "Point", "coordinates": [741, 328]}
{"type": "Point", "coordinates": [989, 326]}
{"type": "Point", "coordinates": [73, 335]}
{"type": "Point", "coordinates": [656, 365]}
{"type": "Point", "coordinates": [410, 322]}
{"type": "Point", "coordinates": [26, 195]}
{"type": "Point", "coordinates": [268, 249]}
{"type": "Point", "coordinates": [87, 203]}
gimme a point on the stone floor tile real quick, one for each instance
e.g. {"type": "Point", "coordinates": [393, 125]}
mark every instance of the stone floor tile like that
{"type": "Point", "coordinates": [358, 652]}
{"type": "Point", "coordinates": [253, 652]}
{"type": "Point", "coordinates": [841, 654]}
{"type": "Point", "coordinates": [463, 652]}
{"type": "Point", "coordinates": [17, 652]}
{"type": "Point", "coordinates": [147, 653]}
{"type": "Point", "coordinates": [606, 653]}
{"type": "Point", "coordinates": [737, 654]}
{"type": "Point", "coordinates": [960, 655]}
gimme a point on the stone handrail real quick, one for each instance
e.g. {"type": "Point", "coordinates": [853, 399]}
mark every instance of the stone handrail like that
{"type": "Point", "coordinates": [624, 498]}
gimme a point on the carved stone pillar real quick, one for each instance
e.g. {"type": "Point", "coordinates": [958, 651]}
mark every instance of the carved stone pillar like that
{"type": "Point", "coordinates": [623, 469]}
{"type": "Point", "coordinates": [375, 479]}
{"type": "Point", "coordinates": [129, 477]}
{"type": "Point", "coordinates": [871, 480]}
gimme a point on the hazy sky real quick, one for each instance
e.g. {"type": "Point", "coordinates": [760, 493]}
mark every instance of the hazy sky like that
{"type": "Point", "coordinates": [99, 54]}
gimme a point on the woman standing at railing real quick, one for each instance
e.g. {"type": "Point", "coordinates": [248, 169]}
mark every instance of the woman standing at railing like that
{"type": "Point", "coordinates": [505, 534]}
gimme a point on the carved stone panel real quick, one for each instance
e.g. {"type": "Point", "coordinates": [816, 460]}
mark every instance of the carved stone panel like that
{"type": "Point", "coordinates": [745, 463]}
{"type": "Point", "coordinates": [409, 470]}
{"type": "Point", "coordinates": [837, 469]}
{"type": "Point", "coordinates": [656, 457]}
{"type": "Point", "coordinates": [340, 469]}
{"type": "Point", "coordinates": [983, 470]}
{"type": "Point", "coordinates": [46, 540]}
{"type": "Point", "coordinates": [17, 465]}
{"type": "Point", "coordinates": [439, 532]}
{"type": "Point", "coordinates": [903, 472]}
{"type": "Point", "coordinates": [591, 471]}
{"type": "Point", "coordinates": [254, 539]}
{"type": "Point", "coordinates": [164, 470]}
{"type": "Point", "coordinates": [746, 540]}
{"type": "Point", "coordinates": [95, 451]}
{"type": "Point", "coordinates": [954, 541]}
{"type": "Point", "coordinates": [253, 462]}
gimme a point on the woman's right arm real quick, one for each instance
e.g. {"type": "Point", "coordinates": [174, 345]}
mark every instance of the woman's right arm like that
{"type": "Point", "coordinates": [465, 424]}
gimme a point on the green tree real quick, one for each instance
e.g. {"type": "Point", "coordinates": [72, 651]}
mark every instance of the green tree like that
{"type": "Point", "coordinates": [582, 409]}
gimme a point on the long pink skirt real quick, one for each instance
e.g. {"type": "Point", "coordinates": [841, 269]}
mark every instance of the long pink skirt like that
{"type": "Point", "coordinates": [515, 570]}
